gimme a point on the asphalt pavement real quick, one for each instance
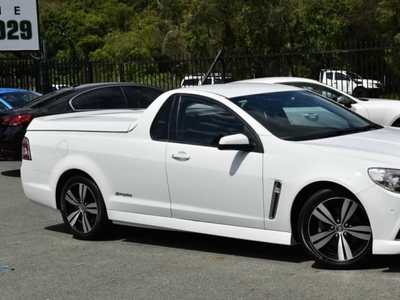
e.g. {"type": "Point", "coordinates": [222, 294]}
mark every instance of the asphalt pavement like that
{"type": "Point", "coordinates": [39, 259]}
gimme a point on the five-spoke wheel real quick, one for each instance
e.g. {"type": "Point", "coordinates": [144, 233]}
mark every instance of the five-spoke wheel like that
{"type": "Point", "coordinates": [82, 208]}
{"type": "Point", "coordinates": [334, 228]}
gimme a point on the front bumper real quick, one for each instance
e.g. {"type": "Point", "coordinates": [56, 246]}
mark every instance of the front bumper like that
{"type": "Point", "coordinates": [383, 209]}
{"type": "Point", "coordinates": [385, 247]}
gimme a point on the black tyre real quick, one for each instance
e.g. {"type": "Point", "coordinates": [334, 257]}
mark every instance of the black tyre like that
{"type": "Point", "coordinates": [334, 229]}
{"type": "Point", "coordinates": [83, 209]}
{"type": "Point", "coordinates": [396, 123]}
{"type": "Point", "coordinates": [360, 93]}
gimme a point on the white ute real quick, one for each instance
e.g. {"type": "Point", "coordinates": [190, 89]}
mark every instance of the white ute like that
{"type": "Point", "coordinates": [351, 83]}
{"type": "Point", "coordinates": [261, 162]}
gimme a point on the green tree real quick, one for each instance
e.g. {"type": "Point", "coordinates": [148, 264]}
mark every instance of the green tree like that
{"type": "Point", "coordinates": [388, 16]}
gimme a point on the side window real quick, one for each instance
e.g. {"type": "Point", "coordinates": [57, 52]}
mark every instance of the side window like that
{"type": "Point", "coordinates": [319, 89]}
{"type": "Point", "coordinates": [203, 122]}
{"type": "Point", "coordinates": [60, 107]}
{"type": "Point", "coordinates": [340, 76]}
{"type": "Point", "coordinates": [141, 97]}
{"type": "Point", "coordinates": [102, 98]}
{"type": "Point", "coordinates": [160, 127]}
{"type": "Point", "coordinates": [329, 75]}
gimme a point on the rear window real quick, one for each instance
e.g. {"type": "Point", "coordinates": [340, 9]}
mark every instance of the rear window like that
{"type": "Point", "coordinates": [190, 82]}
{"type": "Point", "coordinates": [17, 99]}
{"type": "Point", "coordinates": [50, 97]}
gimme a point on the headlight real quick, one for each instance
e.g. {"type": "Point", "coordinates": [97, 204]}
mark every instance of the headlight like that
{"type": "Point", "coordinates": [386, 178]}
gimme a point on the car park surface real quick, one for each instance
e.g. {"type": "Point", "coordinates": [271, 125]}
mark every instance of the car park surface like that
{"type": "Point", "coordinates": [40, 260]}
{"type": "Point", "coordinates": [382, 111]}
{"type": "Point", "coordinates": [111, 95]}
{"type": "Point", "coordinates": [261, 162]}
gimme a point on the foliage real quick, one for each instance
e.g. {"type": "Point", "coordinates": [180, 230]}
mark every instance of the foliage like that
{"type": "Point", "coordinates": [122, 30]}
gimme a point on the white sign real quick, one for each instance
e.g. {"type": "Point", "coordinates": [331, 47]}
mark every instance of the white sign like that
{"type": "Point", "coordinates": [19, 30]}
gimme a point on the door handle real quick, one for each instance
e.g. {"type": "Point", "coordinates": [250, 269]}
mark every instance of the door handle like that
{"type": "Point", "coordinates": [181, 156]}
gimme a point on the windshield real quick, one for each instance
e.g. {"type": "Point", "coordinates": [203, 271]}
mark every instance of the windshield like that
{"type": "Point", "coordinates": [302, 115]}
{"type": "Point", "coordinates": [353, 75]}
{"type": "Point", "coordinates": [17, 99]}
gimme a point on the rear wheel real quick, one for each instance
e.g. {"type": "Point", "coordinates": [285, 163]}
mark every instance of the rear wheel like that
{"type": "Point", "coordinates": [335, 230]}
{"type": "Point", "coordinates": [83, 209]}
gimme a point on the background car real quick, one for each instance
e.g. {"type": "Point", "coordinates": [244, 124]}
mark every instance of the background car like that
{"type": "Point", "coordinates": [213, 78]}
{"type": "Point", "coordinates": [70, 99]}
{"type": "Point", "coordinates": [382, 111]}
{"type": "Point", "coordinates": [11, 98]}
{"type": "Point", "coordinates": [351, 83]}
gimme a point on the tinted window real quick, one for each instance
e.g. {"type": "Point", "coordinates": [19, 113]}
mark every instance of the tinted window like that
{"type": "Point", "coordinates": [141, 97]}
{"type": "Point", "coordinates": [160, 127]}
{"type": "Point", "coordinates": [62, 106]}
{"type": "Point", "coordinates": [203, 122]}
{"type": "Point", "coordinates": [190, 82]}
{"type": "Point", "coordinates": [316, 88]}
{"type": "Point", "coordinates": [102, 98]}
{"type": "Point", "coordinates": [340, 76]}
{"type": "Point", "coordinates": [329, 75]}
{"type": "Point", "coordinates": [301, 115]}
{"type": "Point", "coordinates": [49, 98]}
{"type": "Point", "coordinates": [19, 98]}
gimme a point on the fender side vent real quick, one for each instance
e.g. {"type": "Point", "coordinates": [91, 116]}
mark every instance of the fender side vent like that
{"type": "Point", "coordinates": [276, 193]}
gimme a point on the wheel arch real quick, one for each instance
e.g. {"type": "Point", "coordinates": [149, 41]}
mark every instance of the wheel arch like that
{"type": "Point", "coordinates": [302, 197]}
{"type": "Point", "coordinates": [63, 179]}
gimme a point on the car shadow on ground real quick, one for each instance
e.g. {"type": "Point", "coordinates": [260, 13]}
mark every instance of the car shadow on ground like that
{"type": "Point", "coordinates": [12, 173]}
{"type": "Point", "coordinates": [226, 246]}
{"type": "Point", "coordinates": [199, 242]}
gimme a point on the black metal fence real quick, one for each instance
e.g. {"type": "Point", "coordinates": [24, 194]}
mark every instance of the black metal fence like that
{"type": "Point", "coordinates": [370, 61]}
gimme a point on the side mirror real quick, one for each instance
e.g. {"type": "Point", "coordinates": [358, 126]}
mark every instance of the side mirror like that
{"type": "Point", "coordinates": [235, 142]}
{"type": "Point", "coordinates": [346, 101]}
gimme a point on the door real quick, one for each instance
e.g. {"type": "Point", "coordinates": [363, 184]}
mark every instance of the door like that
{"type": "Point", "coordinates": [207, 184]}
{"type": "Point", "coordinates": [343, 83]}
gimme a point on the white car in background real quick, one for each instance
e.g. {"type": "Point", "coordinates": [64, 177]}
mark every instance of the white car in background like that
{"type": "Point", "coordinates": [351, 83]}
{"type": "Point", "coordinates": [382, 111]}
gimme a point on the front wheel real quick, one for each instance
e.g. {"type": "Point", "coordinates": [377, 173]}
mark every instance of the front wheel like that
{"type": "Point", "coordinates": [83, 209]}
{"type": "Point", "coordinates": [335, 230]}
{"type": "Point", "coordinates": [360, 93]}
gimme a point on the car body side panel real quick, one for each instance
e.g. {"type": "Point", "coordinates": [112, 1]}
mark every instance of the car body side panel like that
{"type": "Point", "coordinates": [126, 180]}
{"type": "Point", "coordinates": [210, 185]}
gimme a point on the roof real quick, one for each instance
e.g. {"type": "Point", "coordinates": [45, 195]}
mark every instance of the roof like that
{"type": "Point", "coordinates": [238, 89]}
{"type": "Point", "coordinates": [11, 90]}
{"type": "Point", "coordinates": [278, 80]}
